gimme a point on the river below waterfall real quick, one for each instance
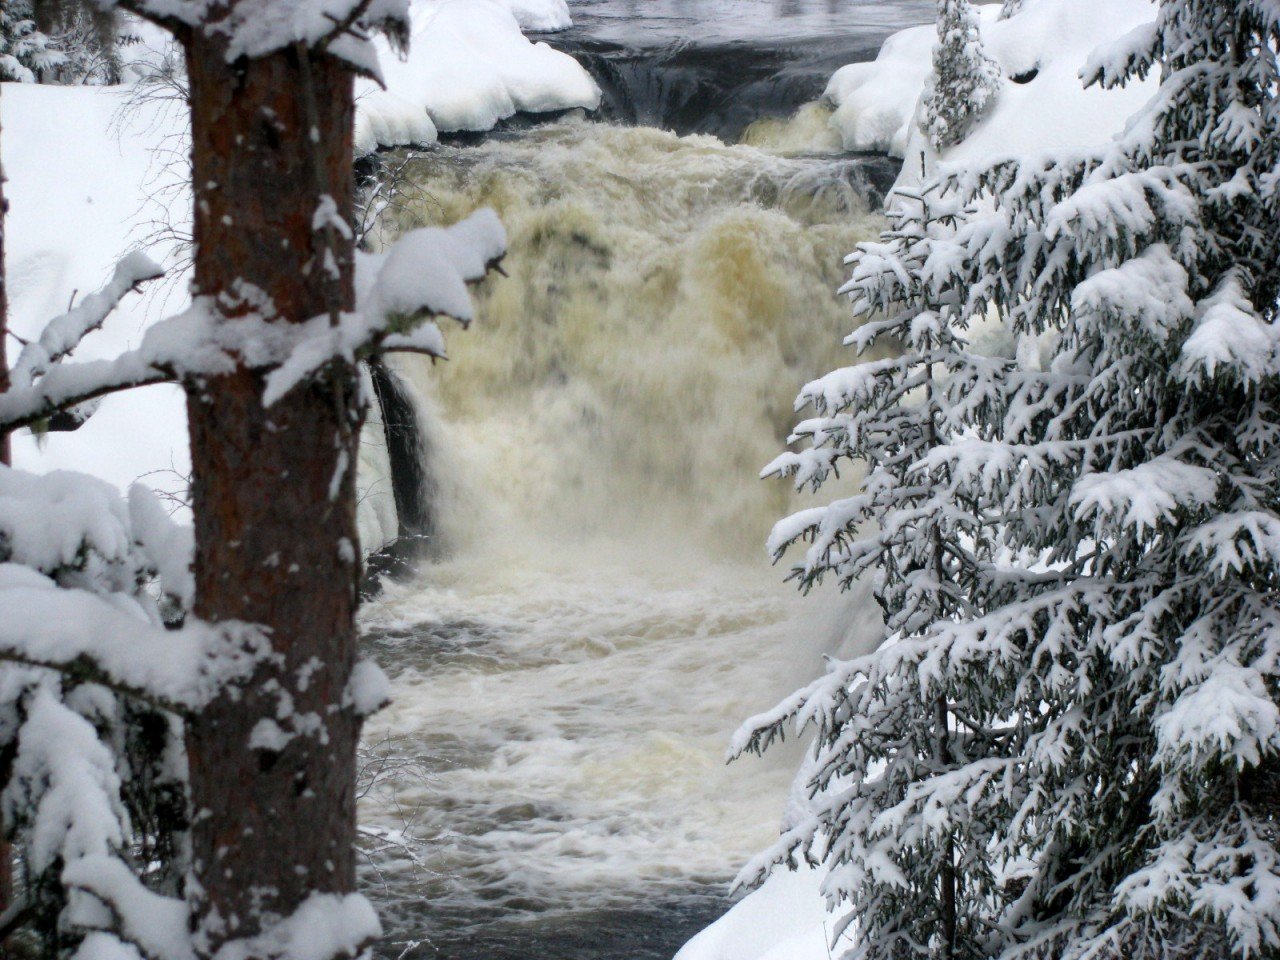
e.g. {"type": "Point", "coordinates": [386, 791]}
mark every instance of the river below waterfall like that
{"type": "Point", "coordinates": [599, 614]}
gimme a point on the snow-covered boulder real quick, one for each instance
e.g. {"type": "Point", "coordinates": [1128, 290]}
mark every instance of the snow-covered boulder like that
{"type": "Point", "coordinates": [469, 67]}
{"type": "Point", "coordinates": [1041, 105]}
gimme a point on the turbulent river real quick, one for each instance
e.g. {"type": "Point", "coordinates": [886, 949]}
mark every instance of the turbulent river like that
{"type": "Point", "coordinates": [598, 614]}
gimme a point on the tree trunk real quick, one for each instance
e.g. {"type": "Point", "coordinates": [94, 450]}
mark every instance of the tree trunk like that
{"type": "Point", "coordinates": [6, 851]}
{"type": "Point", "coordinates": [272, 767]}
{"type": "Point", "coordinates": [5, 456]}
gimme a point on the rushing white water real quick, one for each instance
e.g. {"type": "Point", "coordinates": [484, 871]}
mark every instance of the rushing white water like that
{"type": "Point", "coordinates": [606, 616]}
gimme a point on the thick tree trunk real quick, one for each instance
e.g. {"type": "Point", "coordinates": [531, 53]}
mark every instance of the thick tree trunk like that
{"type": "Point", "coordinates": [272, 767]}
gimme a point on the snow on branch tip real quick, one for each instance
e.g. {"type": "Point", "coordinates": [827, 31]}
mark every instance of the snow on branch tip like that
{"type": "Point", "coordinates": [85, 634]}
{"type": "Point", "coordinates": [255, 29]}
{"type": "Point", "coordinates": [424, 275]}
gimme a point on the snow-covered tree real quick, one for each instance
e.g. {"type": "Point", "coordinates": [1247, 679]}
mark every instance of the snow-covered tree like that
{"type": "Point", "coordinates": [888, 724]}
{"type": "Point", "coordinates": [1114, 673]}
{"type": "Point", "coordinates": [94, 776]}
{"type": "Point", "coordinates": [1011, 8]}
{"type": "Point", "coordinates": [87, 39]}
{"type": "Point", "coordinates": [25, 51]}
{"type": "Point", "coordinates": [965, 81]}
{"type": "Point", "coordinates": [264, 673]}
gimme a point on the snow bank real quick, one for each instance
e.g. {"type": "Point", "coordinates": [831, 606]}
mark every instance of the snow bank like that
{"type": "Point", "coordinates": [540, 16]}
{"type": "Point", "coordinates": [785, 919]}
{"type": "Point", "coordinates": [1042, 104]}
{"type": "Point", "coordinates": [469, 67]}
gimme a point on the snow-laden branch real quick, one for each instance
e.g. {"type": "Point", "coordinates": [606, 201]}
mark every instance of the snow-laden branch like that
{"type": "Point", "coordinates": [64, 333]}
{"type": "Point", "coordinates": [69, 386]}
{"type": "Point", "coordinates": [259, 28]}
{"type": "Point", "coordinates": [424, 275]}
{"type": "Point", "coordinates": [153, 924]}
{"type": "Point", "coordinates": [98, 639]}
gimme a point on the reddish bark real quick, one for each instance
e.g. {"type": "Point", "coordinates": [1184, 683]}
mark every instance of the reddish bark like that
{"type": "Point", "coordinates": [274, 494]}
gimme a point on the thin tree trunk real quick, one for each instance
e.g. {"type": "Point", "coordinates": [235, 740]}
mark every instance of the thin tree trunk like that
{"type": "Point", "coordinates": [272, 768]}
{"type": "Point", "coordinates": [5, 454]}
{"type": "Point", "coordinates": [6, 458]}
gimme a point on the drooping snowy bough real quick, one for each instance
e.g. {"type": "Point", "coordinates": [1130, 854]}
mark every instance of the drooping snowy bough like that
{"type": "Point", "coordinates": [1069, 744]}
{"type": "Point", "coordinates": [183, 706]}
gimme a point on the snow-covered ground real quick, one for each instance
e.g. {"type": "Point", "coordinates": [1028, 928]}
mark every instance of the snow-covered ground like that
{"type": "Point", "coordinates": [79, 185]}
{"type": "Point", "coordinates": [1042, 104]}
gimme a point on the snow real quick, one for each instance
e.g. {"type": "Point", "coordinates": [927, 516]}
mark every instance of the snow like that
{"type": "Point", "coordinates": [876, 103]}
{"type": "Point", "coordinates": [155, 923]}
{"type": "Point", "coordinates": [368, 690]}
{"type": "Point", "coordinates": [46, 625]}
{"type": "Point", "coordinates": [168, 546]}
{"type": "Point", "coordinates": [47, 521]}
{"type": "Point", "coordinates": [429, 269]}
{"type": "Point", "coordinates": [324, 927]}
{"type": "Point", "coordinates": [785, 919]}
{"type": "Point", "coordinates": [469, 67]}
{"type": "Point", "coordinates": [78, 187]}
{"type": "Point", "coordinates": [61, 761]}
{"type": "Point", "coordinates": [1229, 335]}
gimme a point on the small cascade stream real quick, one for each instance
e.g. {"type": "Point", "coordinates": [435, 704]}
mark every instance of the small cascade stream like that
{"type": "Point", "coordinates": [598, 614]}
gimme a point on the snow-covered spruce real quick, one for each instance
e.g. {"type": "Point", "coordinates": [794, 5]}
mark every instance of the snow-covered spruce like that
{"type": "Point", "coordinates": [1112, 676]}
{"type": "Point", "coordinates": [964, 81]}
{"type": "Point", "coordinates": [25, 51]}
{"type": "Point", "coordinates": [914, 867]}
{"type": "Point", "coordinates": [97, 763]}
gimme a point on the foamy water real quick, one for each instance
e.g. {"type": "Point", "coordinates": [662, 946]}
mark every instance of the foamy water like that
{"type": "Point", "coordinates": [571, 675]}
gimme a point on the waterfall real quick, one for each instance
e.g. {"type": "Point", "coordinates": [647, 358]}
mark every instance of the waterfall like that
{"type": "Point", "coordinates": [568, 672]}
{"type": "Point", "coordinates": [665, 299]}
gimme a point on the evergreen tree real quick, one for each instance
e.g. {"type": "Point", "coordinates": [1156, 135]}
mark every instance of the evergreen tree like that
{"type": "Point", "coordinates": [964, 82]}
{"type": "Point", "coordinates": [25, 51]}
{"type": "Point", "coordinates": [1011, 8]}
{"type": "Point", "coordinates": [1115, 674]}
{"type": "Point", "coordinates": [61, 41]}
{"type": "Point", "coordinates": [890, 723]}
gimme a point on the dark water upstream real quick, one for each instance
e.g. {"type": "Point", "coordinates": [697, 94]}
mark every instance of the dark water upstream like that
{"type": "Point", "coordinates": [600, 616]}
{"type": "Point", "coordinates": [716, 66]}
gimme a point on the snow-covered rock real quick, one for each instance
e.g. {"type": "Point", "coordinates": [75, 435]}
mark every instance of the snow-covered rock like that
{"type": "Point", "coordinates": [1041, 105]}
{"type": "Point", "coordinates": [469, 67]}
